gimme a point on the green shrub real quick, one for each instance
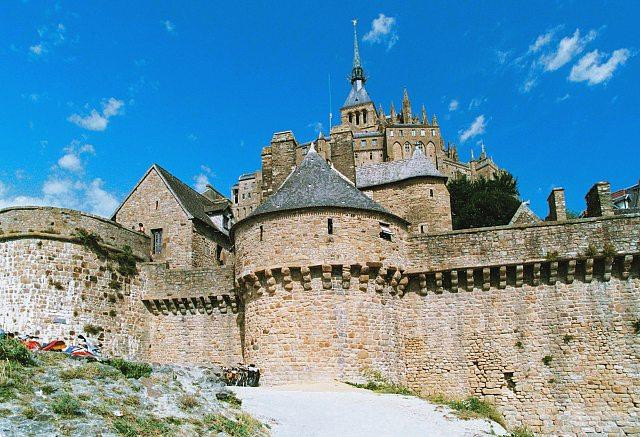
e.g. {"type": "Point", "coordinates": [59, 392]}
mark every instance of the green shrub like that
{"type": "Point", "coordinates": [547, 360]}
{"type": "Point", "coordinates": [378, 383]}
{"type": "Point", "coordinates": [521, 432]}
{"type": "Point", "coordinates": [229, 397]}
{"type": "Point", "coordinates": [473, 407]}
{"type": "Point", "coordinates": [636, 326]}
{"type": "Point", "coordinates": [609, 250]}
{"type": "Point", "coordinates": [13, 350]}
{"type": "Point", "coordinates": [519, 345]}
{"type": "Point", "coordinates": [552, 256]}
{"type": "Point", "coordinates": [130, 369]}
{"type": "Point", "coordinates": [131, 426]}
{"type": "Point", "coordinates": [188, 402]}
{"type": "Point", "coordinates": [126, 262]}
{"type": "Point", "coordinates": [591, 251]}
{"type": "Point", "coordinates": [567, 338]}
{"type": "Point", "coordinates": [243, 425]}
{"type": "Point", "coordinates": [30, 412]}
{"type": "Point", "coordinates": [66, 406]}
{"type": "Point", "coordinates": [91, 241]}
{"type": "Point", "coordinates": [89, 372]}
{"type": "Point", "coordinates": [47, 389]}
{"type": "Point", "coordinates": [92, 329]}
{"type": "Point", "coordinates": [114, 284]}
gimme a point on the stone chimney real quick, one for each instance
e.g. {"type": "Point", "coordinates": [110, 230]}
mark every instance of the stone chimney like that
{"type": "Point", "coordinates": [557, 205]}
{"type": "Point", "coordinates": [599, 203]}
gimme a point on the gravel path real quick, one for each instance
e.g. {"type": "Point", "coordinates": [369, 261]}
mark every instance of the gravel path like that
{"type": "Point", "coordinates": [341, 410]}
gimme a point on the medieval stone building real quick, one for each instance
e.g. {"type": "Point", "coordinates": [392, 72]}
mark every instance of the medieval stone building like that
{"type": "Point", "coordinates": [365, 136]}
{"type": "Point", "coordinates": [342, 264]}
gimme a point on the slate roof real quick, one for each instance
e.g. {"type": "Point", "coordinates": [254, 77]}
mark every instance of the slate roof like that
{"type": "Point", "coordinates": [315, 184]}
{"type": "Point", "coordinates": [194, 203]}
{"type": "Point", "coordinates": [524, 215]}
{"type": "Point", "coordinates": [393, 171]}
{"type": "Point", "coordinates": [357, 96]}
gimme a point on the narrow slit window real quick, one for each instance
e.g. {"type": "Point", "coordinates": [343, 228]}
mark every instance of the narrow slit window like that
{"type": "Point", "coordinates": [385, 231]}
{"type": "Point", "coordinates": [219, 254]}
{"type": "Point", "coordinates": [157, 241]}
{"type": "Point", "coordinates": [330, 226]}
{"type": "Point", "coordinates": [261, 232]}
{"type": "Point", "coordinates": [157, 204]}
{"type": "Point", "coordinates": [430, 192]}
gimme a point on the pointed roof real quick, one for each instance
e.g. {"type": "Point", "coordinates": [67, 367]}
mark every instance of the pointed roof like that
{"type": "Point", "coordinates": [394, 171]}
{"type": "Point", "coordinates": [357, 73]}
{"type": "Point", "coordinates": [357, 96]}
{"type": "Point", "coordinates": [315, 184]}
{"type": "Point", "coordinates": [194, 204]}
{"type": "Point", "coordinates": [524, 215]}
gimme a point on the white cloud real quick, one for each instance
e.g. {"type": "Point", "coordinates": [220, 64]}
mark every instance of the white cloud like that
{"type": "Point", "coordinates": [541, 41]}
{"type": "Point", "coordinates": [383, 30]}
{"type": "Point", "coordinates": [590, 68]}
{"type": "Point", "coordinates": [99, 201]}
{"type": "Point", "coordinates": [316, 126]}
{"type": "Point", "coordinates": [529, 84]}
{"type": "Point", "coordinates": [37, 49]}
{"type": "Point", "coordinates": [57, 187]}
{"type": "Point", "coordinates": [502, 56]}
{"type": "Point", "coordinates": [97, 121]}
{"type": "Point", "coordinates": [563, 98]}
{"type": "Point", "coordinates": [476, 128]}
{"type": "Point", "coordinates": [476, 102]}
{"type": "Point", "coordinates": [71, 162]}
{"type": "Point", "coordinates": [453, 105]}
{"type": "Point", "coordinates": [201, 182]}
{"type": "Point", "coordinates": [169, 26]}
{"type": "Point", "coordinates": [192, 137]}
{"type": "Point", "coordinates": [567, 49]}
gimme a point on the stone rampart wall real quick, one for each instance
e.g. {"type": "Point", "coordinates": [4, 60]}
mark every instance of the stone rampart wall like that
{"type": "Point", "coordinates": [62, 224]}
{"type": "Point", "coordinates": [193, 316]}
{"type": "Point", "coordinates": [301, 238]}
{"type": "Point", "coordinates": [514, 244]}
{"type": "Point", "coordinates": [58, 289]}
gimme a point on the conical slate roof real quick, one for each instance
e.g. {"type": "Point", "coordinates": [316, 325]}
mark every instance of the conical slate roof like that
{"type": "Point", "coordinates": [387, 172]}
{"type": "Point", "coordinates": [315, 184]}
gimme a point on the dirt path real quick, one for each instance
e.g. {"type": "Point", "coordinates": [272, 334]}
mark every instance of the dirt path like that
{"type": "Point", "coordinates": [341, 410]}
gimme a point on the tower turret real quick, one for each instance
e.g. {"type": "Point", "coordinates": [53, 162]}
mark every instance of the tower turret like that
{"type": "Point", "coordinates": [392, 112]}
{"type": "Point", "coordinates": [434, 121]}
{"type": "Point", "coordinates": [406, 107]}
{"type": "Point", "coordinates": [425, 118]}
{"type": "Point", "coordinates": [357, 72]}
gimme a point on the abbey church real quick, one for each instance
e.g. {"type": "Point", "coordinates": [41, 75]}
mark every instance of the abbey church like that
{"type": "Point", "coordinates": [338, 258]}
{"type": "Point", "coordinates": [364, 137]}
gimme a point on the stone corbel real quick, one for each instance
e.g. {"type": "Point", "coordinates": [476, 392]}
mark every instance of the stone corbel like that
{"type": "Point", "coordinates": [470, 280]}
{"type": "Point", "coordinates": [553, 272]}
{"type": "Point", "coordinates": [588, 270]}
{"type": "Point", "coordinates": [486, 278]}
{"type": "Point", "coordinates": [326, 277]}
{"type": "Point", "coordinates": [626, 266]}
{"type": "Point", "coordinates": [346, 276]}
{"type": "Point", "coordinates": [536, 274]}
{"type": "Point", "coordinates": [503, 278]}
{"type": "Point", "coordinates": [608, 264]}
{"type": "Point", "coordinates": [422, 282]}
{"type": "Point", "coordinates": [571, 271]}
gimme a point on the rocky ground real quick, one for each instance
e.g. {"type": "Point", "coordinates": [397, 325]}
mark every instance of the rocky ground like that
{"type": "Point", "coordinates": [57, 395]}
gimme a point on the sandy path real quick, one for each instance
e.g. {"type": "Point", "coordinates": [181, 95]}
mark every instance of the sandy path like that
{"type": "Point", "coordinates": [341, 410]}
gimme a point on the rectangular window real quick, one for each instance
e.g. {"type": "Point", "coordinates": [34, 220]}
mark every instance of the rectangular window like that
{"type": "Point", "coordinates": [374, 142]}
{"type": "Point", "coordinates": [413, 132]}
{"type": "Point", "coordinates": [363, 143]}
{"type": "Point", "coordinates": [261, 232]}
{"type": "Point", "coordinates": [385, 231]}
{"type": "Point", "coordinates": [157, 203]}
{"type": "Point", "coordinates": [330, 226]}
{"type": "Point", "coordinates": [157, 241]}
{"type": "Point", "coordinates": [391, 133]}
{"type": "Point", "coordinates": [423, 132]}
{"type": "Point", "coordinates": [219, 254]}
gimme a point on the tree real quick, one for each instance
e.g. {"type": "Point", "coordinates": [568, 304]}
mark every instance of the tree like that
{"type": "Point", "coordinates": [484, 202]}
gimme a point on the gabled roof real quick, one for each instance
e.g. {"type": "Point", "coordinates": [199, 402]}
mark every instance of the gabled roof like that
{"type": "Point", "coordinates": [524, 215]}
{"type": "Point", "coordinates": [315, 184]}
{"type": "Point", "coordinates": [357, 96]}
{"type": "Point", "coordinates": [194, 204]}
{"type": "Point", "coordinates": [394, 171]}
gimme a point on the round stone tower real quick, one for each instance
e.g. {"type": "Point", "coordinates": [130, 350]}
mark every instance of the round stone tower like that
{"type": "Point", "coordinates": [318, 265]}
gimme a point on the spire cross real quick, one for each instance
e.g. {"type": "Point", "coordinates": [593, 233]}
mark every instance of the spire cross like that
{"type": "Point", "coordinates": [356, 52]}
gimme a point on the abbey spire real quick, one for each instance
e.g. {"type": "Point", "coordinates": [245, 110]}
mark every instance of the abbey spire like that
{"type": "Point", "coordinates": [357, 73]}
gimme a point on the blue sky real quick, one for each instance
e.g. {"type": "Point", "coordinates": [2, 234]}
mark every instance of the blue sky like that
{"type": "Point", "coordinates": [94, 92]}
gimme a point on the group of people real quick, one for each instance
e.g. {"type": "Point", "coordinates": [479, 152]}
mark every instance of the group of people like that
{"type": "Point", "coordinates": [84, 348]}
{"type": "Point", "coordinates": [241, 375]}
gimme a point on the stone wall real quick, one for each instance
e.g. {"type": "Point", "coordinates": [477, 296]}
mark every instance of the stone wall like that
{"type": "Point", "coordinates": [56, 289]}
{"type": "Point", "coordinates": [301, 238]}
{"type": "Point", "coordinates": [59, 223]}
{"type": "Point", "coordinates": [513, 244]}
{"type": "Point", "coordinates": [423, 202]}
{"type": "Point", "coordinates": [193, 316]}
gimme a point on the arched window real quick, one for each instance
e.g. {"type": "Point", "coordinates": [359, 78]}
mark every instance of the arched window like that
{"type": "Point", "coordinates": [364, 116]}
{"type": "Point", "coordinates": [350, 117]}
{"type": "Point", "coordinates": [420, 146]}
{"type": "Point", "coordinates": [407, 148]}
{"type": "Point", "coordinates": [357, 117]}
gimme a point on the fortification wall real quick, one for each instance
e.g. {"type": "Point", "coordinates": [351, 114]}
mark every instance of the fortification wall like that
{"type": "Point", "coordinates": [193, 316]}
{"type": "Point", "coordinates": [62, 224]}
{"type": "Point", "coordinates": [301, 238]}
{"type": "Point", "coordinates": [513, 244]}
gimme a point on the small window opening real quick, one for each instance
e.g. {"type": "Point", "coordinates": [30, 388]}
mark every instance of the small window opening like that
{"type": "Point", "coordinates": [350, 117]}
{"type": "Point", "coordinates": [385, 231]}
{"type": "Point", "coordinates": [330, 226]}
{"type": "Point", "coordinates": [422, 229]}
{"type": "Point", "coordinates": [157, 241]}
{"type": "Point", "coordinates": [261, 232]}
{"type": "Point", "coordinates": [511, 384]}
{"type": "Point", "coordinates": [430, 193]}
{"type": "Point", "coordinates": [219, 254]}
{"type": "Point", "coordinates": [156, 204]}
{"type": "Point", "coordinates": [357, 118]}
{"type": "Point", "coordinates": [370, 155]}
{"type": "Point", "coordinates": [364, 116]}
